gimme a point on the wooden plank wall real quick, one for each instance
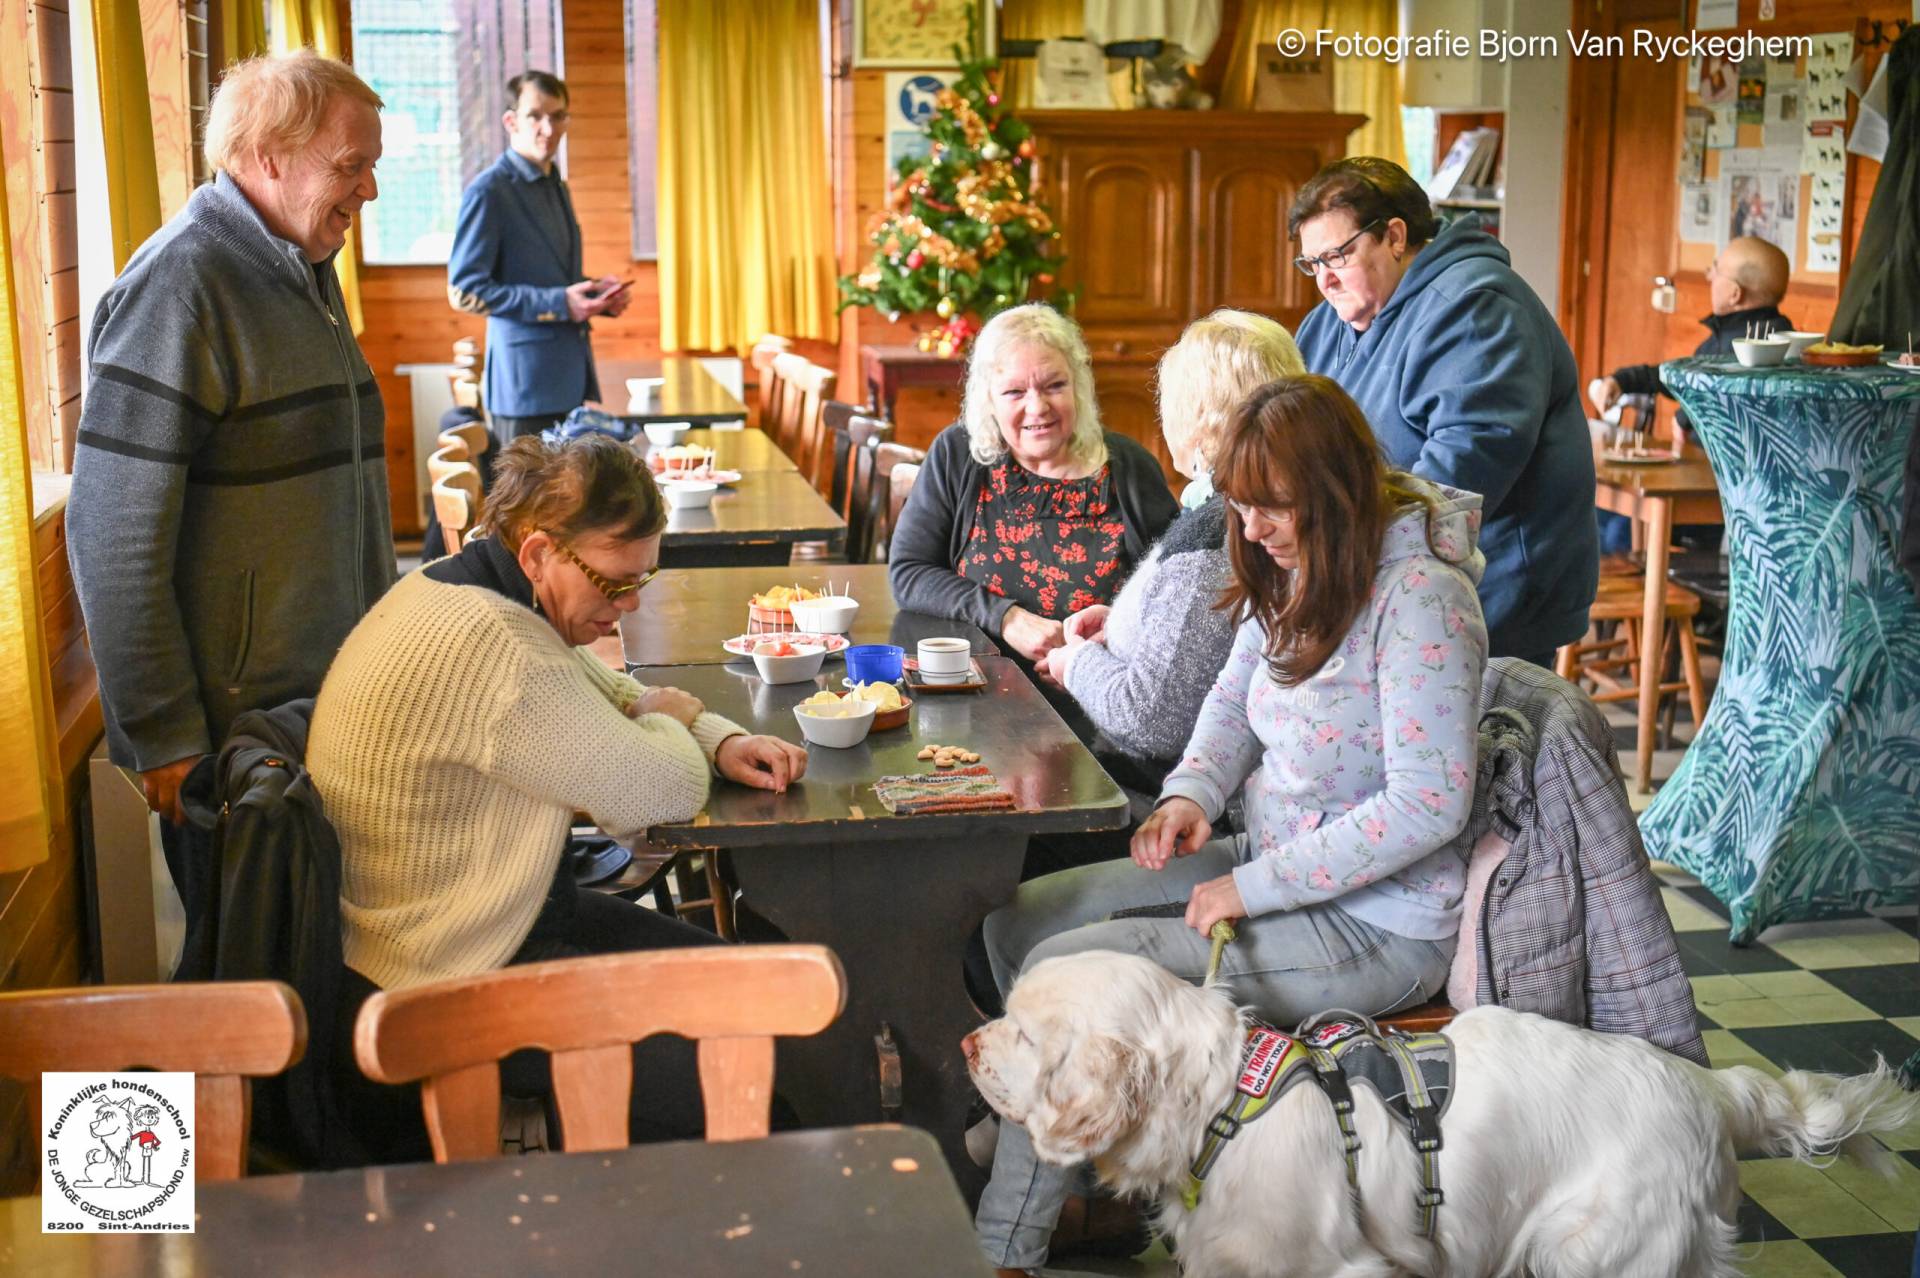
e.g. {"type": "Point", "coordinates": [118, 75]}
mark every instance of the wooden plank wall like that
{"type": "Point", "coordinates": [41, 929]}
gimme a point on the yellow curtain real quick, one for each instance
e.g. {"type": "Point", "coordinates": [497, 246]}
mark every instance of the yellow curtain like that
{"type": "Point", "coordinates": [743, 193]}
{"type": "Point", "coordinates": [1034, 20]}
{"type": "Point", "coordinates": [243, 29]}
{"type": "Point", "coordinates": [126, 125]}
{"type": "Point", "coordinates": [30, 784]}
{"type": "Point", "coordinates": [315, 24]}
{"type": "Point", "coordinates": [1365, 86]}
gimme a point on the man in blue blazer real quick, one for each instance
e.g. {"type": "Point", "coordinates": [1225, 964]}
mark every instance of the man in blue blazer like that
{"type": "Point", "coordinates": [516, 260]}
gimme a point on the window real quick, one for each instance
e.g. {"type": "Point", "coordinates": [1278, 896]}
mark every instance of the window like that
{"type": "Point", "coordinates": [643, 96]}
{"type": "Point", "coordinates": [1417, 126]}
{"type": "Point", "coordinates": [442, 67]}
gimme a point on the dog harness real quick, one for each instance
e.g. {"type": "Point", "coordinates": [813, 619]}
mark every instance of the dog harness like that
{"type": "Point", "coordinates": [1411, 1073]}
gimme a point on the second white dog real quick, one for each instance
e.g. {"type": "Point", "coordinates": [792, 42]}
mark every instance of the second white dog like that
{"type": "Point", "coordinates": [1568, 1154]}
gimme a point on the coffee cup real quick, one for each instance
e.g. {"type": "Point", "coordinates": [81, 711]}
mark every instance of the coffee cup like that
{"type": "Point", "coordinates": [945, 660]}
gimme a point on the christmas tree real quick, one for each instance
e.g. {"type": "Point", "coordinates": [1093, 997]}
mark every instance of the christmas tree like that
{"type": "Point", "coordinates": [962, 234]}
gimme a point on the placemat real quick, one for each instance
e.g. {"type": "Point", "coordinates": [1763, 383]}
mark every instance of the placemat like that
{"type": "Point", "coordinates": [961, 790]}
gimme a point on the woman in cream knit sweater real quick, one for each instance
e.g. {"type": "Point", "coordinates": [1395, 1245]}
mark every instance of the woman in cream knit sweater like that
{"type": "Point", "coordinates": [462, 725]}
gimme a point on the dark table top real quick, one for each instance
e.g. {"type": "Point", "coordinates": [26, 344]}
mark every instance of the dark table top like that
{"type": "Point", "coordinates": [686, 613]}
{"type": "Point", "coordinates": [1055, 781]}
{"type": "Point", "coordinates": [686, 393]}
{"type": "Point", "coordinates": [860, 1201]}
{"type": "Point", "coordinates": [767, 505]}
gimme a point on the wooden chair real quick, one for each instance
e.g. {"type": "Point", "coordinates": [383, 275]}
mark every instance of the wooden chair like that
{"type": "Point", "coordinates": [765, 351]}
{"type": "Point", "coordinates": [466, 392]}
{"type": "Point", "coordinates": [855, 437]}
{"type": "Point", "coordinates": [588, 1012]}
{"type": "Point", "coordinates": [456, 501]}
{"type": "Point", "coordinates": [1610, 662]}
{"type": "Point", "coordinates": [449, 459]}
{"type": "Point", "coordinates": [1427, 1018]}
{"type": "Point", "coordinates": [472, 435]}
{"type": "Point", "coordinates": [223, 1033]}
{"type": "Point", "coordinates": [896, 468]}
{"type": "Point", "coordinates": [806, 388]}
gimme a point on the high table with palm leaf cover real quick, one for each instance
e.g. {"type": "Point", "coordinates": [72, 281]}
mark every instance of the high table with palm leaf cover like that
{"type": "Point", "coordinates": [1800, 795]}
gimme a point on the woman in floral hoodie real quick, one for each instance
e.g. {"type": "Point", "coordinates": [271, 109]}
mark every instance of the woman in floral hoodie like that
{"type": "Point", "coordinates": [1346, 717]}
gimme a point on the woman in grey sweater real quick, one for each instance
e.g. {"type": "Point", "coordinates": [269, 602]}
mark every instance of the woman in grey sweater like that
{"type": "Point", "coordinates": [1141, 668]}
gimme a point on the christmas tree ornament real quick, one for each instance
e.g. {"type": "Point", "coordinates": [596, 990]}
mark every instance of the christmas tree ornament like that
{"type": "Point", "coordinates": [944, 309]}
{"type": "Point", "coordinates": [992, 151]}
{"type": "Point", "coordinates": [1026, 148]}
{"type": "Point", "coordinates": [914, 259]}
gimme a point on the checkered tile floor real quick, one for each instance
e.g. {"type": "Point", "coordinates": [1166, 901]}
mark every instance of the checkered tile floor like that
{"type": "Point", "coordinates": [1822, 996]}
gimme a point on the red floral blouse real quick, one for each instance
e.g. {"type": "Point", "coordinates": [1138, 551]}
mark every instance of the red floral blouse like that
{"type": "Point", "coordinates": [1051, 545]}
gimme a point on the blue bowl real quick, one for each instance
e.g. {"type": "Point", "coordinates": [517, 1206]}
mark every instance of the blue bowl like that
{"type": "Point", "coordinates": [875, 662]}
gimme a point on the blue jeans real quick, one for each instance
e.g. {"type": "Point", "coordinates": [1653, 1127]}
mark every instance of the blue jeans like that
{"type": "Point", "coordinates": [1287, 966]}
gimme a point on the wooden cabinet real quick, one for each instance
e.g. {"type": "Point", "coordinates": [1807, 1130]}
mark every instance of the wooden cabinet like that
{"type": "Point", "coordinates": [1167, 215]}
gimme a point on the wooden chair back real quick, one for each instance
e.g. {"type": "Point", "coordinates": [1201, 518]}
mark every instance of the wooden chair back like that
{"type": "Point", "coordinates": [222, 1032]}
{"type": "Point", "coordinates": [473, 435]}
{"type": "Point", "coordinates": [765, 351]}
{"type": "Point", "coordinates": [456, 502]}
{"type": "Point", "coordinates": [807, 388]}
{"type": "Point", "coordinates": [466, 392]}
{"type": "Point", "coordinates": [448, 459]}
{"type": "Point", "coordinates": [896, 468]}
{"type": "Point", "coordinates": [855, 438]}
{"type": "Point", "coordinates": [588, 1012]}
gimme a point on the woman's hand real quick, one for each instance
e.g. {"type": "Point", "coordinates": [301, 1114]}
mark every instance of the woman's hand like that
{"type": "Point", "coordinates": [1031, 635]}
{"type": "Point", "coordinates": [1212, 901]}
{"type": "Point", "coordinates": [765, 763]}
{"type": "Point", "coordinates": [1053, 667]}
{"type": "Point", "coordinates": [683, 707]}
{"type": "Point", "coordinates": [1177, 828]}
{"type": "Point", "coordinates": [1089, 624]}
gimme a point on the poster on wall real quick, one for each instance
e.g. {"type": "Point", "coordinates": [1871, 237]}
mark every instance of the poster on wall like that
{"type": "Point", "coordinates": [1786, 113]}
{"type": "Point", "coordinates": [1824, 211]}
{"type": "Point", "coordinates": [918, 33]}
{"type": "Point", "coordinates": [1826, 76]}
{"type": "Point", "coordinates": [1752, 91]}
{"type": "Point", "coordinates": [1719, 80]}
{"type": "Point", "coordinates": [1722, 130]}
{"type": "Point", "coordinates": [1700, 212]}
{"type": "Point", "coordinates": [909, 105]}
{"type": "Point", "coordinates": [1693, 145]}
{"type": "Point", "coordinates": [1765, 204]}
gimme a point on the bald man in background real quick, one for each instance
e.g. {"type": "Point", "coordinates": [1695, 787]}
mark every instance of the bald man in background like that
{"type": "Point", "coordinates": [1746, 283]}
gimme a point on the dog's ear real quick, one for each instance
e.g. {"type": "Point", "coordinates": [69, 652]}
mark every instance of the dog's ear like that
{"type": "Point", "coordinates": [1095, 1097]}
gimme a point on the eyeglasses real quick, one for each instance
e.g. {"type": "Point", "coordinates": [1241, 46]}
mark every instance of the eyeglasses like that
{"type": "Point", "coordinates": [1334, 258]}
{"type": "Point", "coordinates": [613, 590]}
{"type": "Point", "coordinates": [1283, 515]}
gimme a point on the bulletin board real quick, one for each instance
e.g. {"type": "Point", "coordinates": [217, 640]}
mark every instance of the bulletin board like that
{"type": "Point", "coordinates": [1764, 152]}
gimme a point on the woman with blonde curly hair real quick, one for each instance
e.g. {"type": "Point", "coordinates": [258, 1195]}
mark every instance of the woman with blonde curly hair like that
{"type": "Point", "coordinates": [1027, 511]}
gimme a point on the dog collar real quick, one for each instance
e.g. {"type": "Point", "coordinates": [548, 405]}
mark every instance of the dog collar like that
{"type": "Point", "coordinates": [1271, 1064]}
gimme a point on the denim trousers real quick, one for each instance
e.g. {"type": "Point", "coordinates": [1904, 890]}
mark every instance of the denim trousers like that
{"type": "Point", "coordinates": [1286, 966]}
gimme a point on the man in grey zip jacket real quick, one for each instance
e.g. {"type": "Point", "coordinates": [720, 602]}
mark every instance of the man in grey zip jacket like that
{"type": "Point", "coordinates": [228, 523]}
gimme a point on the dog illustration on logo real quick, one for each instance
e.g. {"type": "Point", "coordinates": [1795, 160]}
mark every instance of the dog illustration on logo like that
{"type": "Point", "coordinates": [113, 1126]}
{"type": "Point", "coordinates": [100, 1168]}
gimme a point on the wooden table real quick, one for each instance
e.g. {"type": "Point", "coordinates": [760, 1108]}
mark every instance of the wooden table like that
{"type": "Point", "coordinates": [1658, 495]}
{"type": "Point", "coordinates": [888, 368]}
{"type": "Point", "coordinates": [756, 521]}
{"type": "Point", "coordinates": [871, 1201]}
{"type": "Point", "coordinates": [687, 392]}
{"type": "Point", "coordinates": [894, 897]}
{"type": "Point", "coordinates": [685, 614]}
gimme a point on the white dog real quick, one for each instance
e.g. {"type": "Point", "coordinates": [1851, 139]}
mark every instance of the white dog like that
{"type": "Point", "coordinates": [1568, 1153]}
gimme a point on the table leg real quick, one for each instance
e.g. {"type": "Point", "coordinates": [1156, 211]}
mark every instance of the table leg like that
{"type": "Point", "coordinates": [898, 915]}
{"type": "Point", "coordinates": [1652, 625]}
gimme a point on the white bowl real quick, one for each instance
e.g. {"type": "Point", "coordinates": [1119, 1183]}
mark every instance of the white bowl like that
{"type": "Point", "coordinates": [667, 434]}
{"type": "Point", "coordinates": [1798, 340]}
{"type": "Point", "coordinates": [847, 726]}
{"type": "Point", "coordinates": [1762, 352]}
{"type": "Point", "coordinates": [804, 664]}
{"type": "Point", "coordinates": [691, 495]}
{"type": "Point", "coordinates": [944, 660]}
{"type": "Point", "coordinates": [830, 616]}
{"type": "Point", "coordinates": [641, 387]}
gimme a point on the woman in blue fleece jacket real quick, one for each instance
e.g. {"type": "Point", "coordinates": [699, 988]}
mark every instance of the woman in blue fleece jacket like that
{"type": "Point", "coordinates": [1467, 381]}
{"type": "Point", "coordinates": [1346, 716]}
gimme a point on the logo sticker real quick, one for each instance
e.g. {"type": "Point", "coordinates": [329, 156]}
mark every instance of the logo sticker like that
{"type": "Point", "coordinates": [117, 1153]}
{"type": "Point", "coordinates": [1265, 1050]}
{"type": "Point", "coordinates": [1332, 1032]}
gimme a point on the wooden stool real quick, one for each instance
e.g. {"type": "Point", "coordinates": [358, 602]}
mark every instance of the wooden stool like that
{"type": "Point", "coordinates": [1612, 664]}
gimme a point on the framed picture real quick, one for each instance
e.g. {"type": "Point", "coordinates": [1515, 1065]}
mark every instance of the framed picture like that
{"type": "Point", "coordinates": [917, 33]}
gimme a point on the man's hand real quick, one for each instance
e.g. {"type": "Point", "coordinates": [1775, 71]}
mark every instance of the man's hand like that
{"type": "Point", "coordinates": [1609, 393]}
{"type": "Point", "coordinates": [765, 763]}
{"type": "Point", "coordinates": [1030, 634]}
{"type": "Point", "coordinates": [1212, 901]}
{"type": "Point", "coordinates": [161, 786]}
{"type": "Point", "coordinates": [675, 704]}
{"type": "Point", "coordinates": [1177, 828]}
{"type": "Point", "coordinates": [1089, 624]}
{"type": "Point", "coordinates": [593, 297]}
